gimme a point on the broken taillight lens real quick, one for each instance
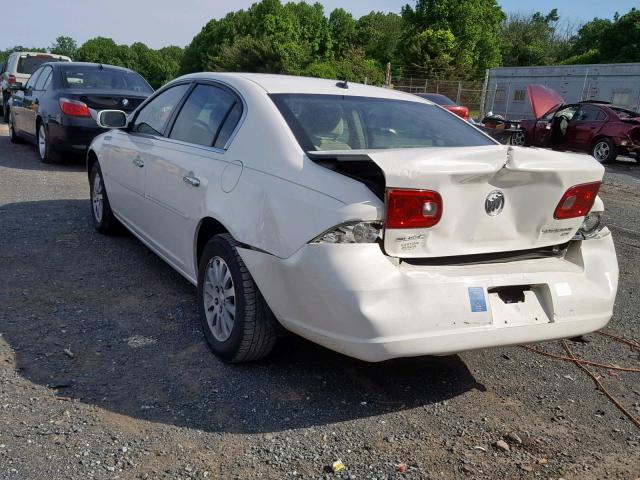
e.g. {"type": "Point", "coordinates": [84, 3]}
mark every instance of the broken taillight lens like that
{"type": "Point", "coordinates": [413, 208]}
{"type": "Point", "coordinates": [577, 201]}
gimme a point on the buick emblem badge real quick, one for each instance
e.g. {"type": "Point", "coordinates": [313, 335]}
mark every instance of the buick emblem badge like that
{"type": "Point", "coordinates": [125, 102]}
{"type": "Point", "coordinates": [494, 203]}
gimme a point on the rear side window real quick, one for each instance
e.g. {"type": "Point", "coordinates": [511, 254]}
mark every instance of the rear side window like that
{"type": "Point", "coordinates": [203, 115]}
{"type": "Point", "coordinates": [334, 122]}
{"type": "Point", "coordinates": [44, 78]}
{"type": "Point", "coordinates": [154, 116]}
{"type": "Point", "coordinates": [29, 63]}
{"type": "Point", "coordinates": [588, 113]}
{"type": "Point", "coordinates": [33, 79]}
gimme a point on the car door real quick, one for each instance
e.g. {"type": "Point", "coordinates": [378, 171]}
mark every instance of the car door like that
{"type": "Point", "coordinates": [584, 125]}
{"type": "Point", "coordinates": [31, 101]}
{"type": "Point", "coordinates": [126, 154]}
{"type": "Point", "coordinates": [187, 166]}
{"type": "Point", "coordinates": [21, 105]}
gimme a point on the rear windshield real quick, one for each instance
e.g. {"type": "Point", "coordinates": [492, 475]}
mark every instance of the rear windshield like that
{"type": "Point", "coordinates": [335, 122]}
{"type": "Point", "coordinates": [29, 64]}
{"type": "Point", "coordinates": [437, 98]}
{"type": "Point", "coordinates": [101, 78]}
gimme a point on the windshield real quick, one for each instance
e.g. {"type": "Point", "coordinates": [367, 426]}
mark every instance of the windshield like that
{"type": "Point", "coordinates": [335, 122]}
{"type": "Point", "coordinates": [101, 78]}
{"type": "Point", "coordinates": [29, 64]}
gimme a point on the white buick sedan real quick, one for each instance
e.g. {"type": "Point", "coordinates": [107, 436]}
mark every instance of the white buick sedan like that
{"type": "Point", "coordinates": [370, 221]}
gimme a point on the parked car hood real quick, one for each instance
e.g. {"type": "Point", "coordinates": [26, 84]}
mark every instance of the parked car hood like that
{"type": "Point", "coordinates": [543, 99]}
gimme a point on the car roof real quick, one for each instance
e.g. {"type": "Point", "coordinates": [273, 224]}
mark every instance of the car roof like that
{"type": "Point", "coordinates": [35, 54]}
{"type": "Point", "coordinates": [88, 64]}
{"type": "Point", "coordinates": [274, 83]}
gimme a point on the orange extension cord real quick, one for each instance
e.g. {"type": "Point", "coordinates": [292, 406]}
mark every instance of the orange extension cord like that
{"type": "Point", "coordinates": [581, 363]}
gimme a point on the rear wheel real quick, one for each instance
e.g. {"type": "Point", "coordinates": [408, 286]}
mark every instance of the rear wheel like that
{"type": "Point", "coordinates": [5, 106]}
{"type": "Point", "coordinates": [517, 139]}
{"type": "Point", "coordinates": [604, 150]}
{"type": "Point", "coordinates": [236, 320]}
{"type": "Point", "coordinates": [12, 131]}
{"type": "Point", "coordinates": [47, 153]}
{"type": "Point", "coordinates": [103, 218]}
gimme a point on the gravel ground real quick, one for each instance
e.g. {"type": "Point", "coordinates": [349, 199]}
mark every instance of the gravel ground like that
{"type": "Point", "coordinates": [104, 372]}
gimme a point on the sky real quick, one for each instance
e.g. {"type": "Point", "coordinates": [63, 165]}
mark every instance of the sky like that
{"type": "Point", "coordinates": [174, 22]}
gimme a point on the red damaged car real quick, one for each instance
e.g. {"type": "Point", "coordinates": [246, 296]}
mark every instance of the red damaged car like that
{"type": "Point", "coordinates": [598, 128]}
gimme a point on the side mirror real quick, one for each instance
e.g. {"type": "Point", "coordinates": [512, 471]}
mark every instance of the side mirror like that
{"type": "Point", "coordinates": [14, 87]}
{"type": "Point", "coordinates": [112, 119]}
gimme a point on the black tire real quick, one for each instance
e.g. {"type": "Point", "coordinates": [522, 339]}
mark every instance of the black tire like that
{"type": "Point", "coordinates": [518, 139]}
{"type": "Point", "coordinates": [604, 150]}
{"type": "Point", "coordinates": [49, 154]}
{"type": "Point", "coordinates": [13, 136]}
{"type": "Point", "coordinates": [103, 218]}
{"type": "Point", "coordinates": [253, 332]}
{"type": "Point", "coordinates": [5, 106]}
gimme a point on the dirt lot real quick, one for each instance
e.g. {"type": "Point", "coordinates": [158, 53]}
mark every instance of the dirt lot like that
{"type": "Point", "coordinates": [104, 372]}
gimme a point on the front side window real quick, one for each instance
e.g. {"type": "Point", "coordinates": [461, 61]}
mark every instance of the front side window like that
{"type": "Point", "coordinates": [154, 117]}
{"type": "Point", "coordinates": [567, 112]}
{"type": "Point", "coordinates": [336, 122]}
{"type": "Point", "coordinates": [203, 115]}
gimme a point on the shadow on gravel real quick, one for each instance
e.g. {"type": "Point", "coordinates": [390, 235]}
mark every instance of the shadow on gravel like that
{"type": "Point", "coordinates": [133, 344]}
{"type": "Point", "coordinates": [626, 165]}
{"type": "Point", "coordinates": [24, 156]}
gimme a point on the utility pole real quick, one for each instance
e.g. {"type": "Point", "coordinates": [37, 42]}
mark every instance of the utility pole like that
{"type": "Point", "coordinates": [388, 75]}
{"type": "Point", "coordinates": [484, 93]}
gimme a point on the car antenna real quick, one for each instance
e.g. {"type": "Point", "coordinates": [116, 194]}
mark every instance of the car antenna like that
{"type": "Point", "coordinates": [100, 66]}
{"type": "Point", "coordinates": [343, 84]}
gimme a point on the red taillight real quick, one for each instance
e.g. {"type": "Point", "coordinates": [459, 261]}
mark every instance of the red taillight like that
{"type": "Point", "coordinates": [11, 79]}
{"type": "Point", "coordinates": [577, 201]}
{"type": "Point", "coordinates": [413, 208]}
{"type": "Point", "coordinates": [74, 108]}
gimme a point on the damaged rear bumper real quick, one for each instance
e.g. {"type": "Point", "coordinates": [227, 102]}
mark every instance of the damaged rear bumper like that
{"type": "Point", "coordinates": [357, 301]}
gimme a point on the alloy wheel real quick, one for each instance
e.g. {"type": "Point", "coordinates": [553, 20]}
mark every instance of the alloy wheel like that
{"type": "Point", "coordinates": [42, 142]}
{"type": "Point", "coordinates": [517, 139]}
{"type": "Point", "coordinates": [601, 151]}
{"type": "Point", "coordinates": [96, 198]}
{"type": "Point", "coordinates": [219, 299]}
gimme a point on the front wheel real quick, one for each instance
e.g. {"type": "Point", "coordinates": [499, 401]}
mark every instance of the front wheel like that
{"type": "Point", "coordinates": [103, 218]}
{"type": "Point", "coordinates": [236, 320]}
{"type": "Point", "coordinates": [604, 150]}
{"type": "Point", "coordinates": [47, 153]}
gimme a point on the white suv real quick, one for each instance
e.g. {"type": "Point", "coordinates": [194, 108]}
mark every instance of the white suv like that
{"type": "Point", "coordinates": [370, 221]}
{"type": "Point", "coordinates": [18, 69]}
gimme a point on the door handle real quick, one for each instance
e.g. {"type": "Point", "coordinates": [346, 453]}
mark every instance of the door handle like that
{"type": "Point", "coordinates": [191, 180]}
{"type": "Point", "coordinates": [138, 162]}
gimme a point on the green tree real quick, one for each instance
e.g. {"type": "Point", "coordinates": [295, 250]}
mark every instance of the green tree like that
{"type": "Point", "coordinates": [64, 46]}
{"type": "Point", "coordinates": [342, 28]}
{"type": "Point", "coordinates": [291, 36]}
{"type": "Point", "coordinates": [621, 42]}
{"type": "Point", "coordinates": [532, 39]}
{"type": "Point", "coordinates": [354, 66]}
{"type": "Point", "coordinates": [379, 35]}
{"type": "Point", "coordinates": [608, 41]}
{"type": "Point", "coordinates": [475, 25]}
{"type": "Point", "coordinates": [434, 52]}
{"type": "Point", "coordinates": [105, 50]}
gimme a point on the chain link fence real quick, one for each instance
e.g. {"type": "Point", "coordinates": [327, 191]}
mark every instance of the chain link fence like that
{"type": "Point", "coordinates": [463, 92]}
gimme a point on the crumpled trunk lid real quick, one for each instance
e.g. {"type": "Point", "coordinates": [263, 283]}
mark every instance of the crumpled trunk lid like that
{"type": "Point", "coordinates": [531, 181]}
